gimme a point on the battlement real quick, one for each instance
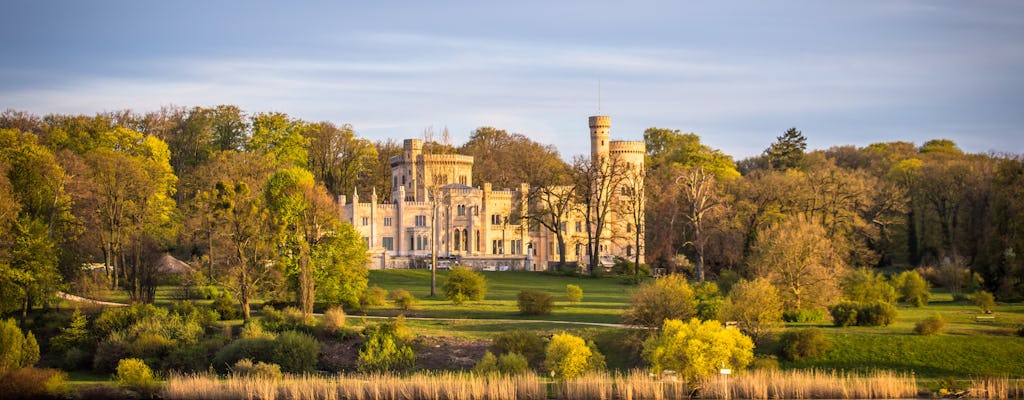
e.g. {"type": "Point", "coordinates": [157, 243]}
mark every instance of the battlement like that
{"type": "Point", "coordinates": [627, 146]}
{"type": "Point", "coordinates": [448, 158]}
{"type": "Point", "coordinates": [600, 121]}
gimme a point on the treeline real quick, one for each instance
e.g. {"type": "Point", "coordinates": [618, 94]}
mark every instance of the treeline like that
{"type": "Point", "coordinates": [958, 217]}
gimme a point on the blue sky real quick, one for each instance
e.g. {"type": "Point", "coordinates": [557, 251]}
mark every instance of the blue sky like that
{"type": "Point", "coordinates": [736, 73]}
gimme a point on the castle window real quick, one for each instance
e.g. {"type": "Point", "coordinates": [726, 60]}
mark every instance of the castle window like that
{"type": "Point", "coordinates": [463, 180]}
{"type": "Point", "coordinates": [394, 181]}
{"type": "Point", "coordinates": [387, 221]}
{"type": "Point", "coordinates": [403, 180]}
{"type": "Point", "coordinates": [629, 227]}
{"type": "Point", "coordinates": [412, 243]}
{"type": "Point", "coordinates": [579, 226]}
{"type": "Point", "coordinates": [458, 239]}
{"type": "Point", "coordinates": [496, 219]}
{"type": "Point", "coordinates": [388, 243]}
{"type": "Point", "coordinates": [366, 221]}
{"type": "Point", "coordinates": [629, 250]}
{"type": "Point", "coordinates": [465, 239]}
{"type": "Point", "coordinates": [460, 209]}
{"type": "Point", "coordinates": [421, 220]}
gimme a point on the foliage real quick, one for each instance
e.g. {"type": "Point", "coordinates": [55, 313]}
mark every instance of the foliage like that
{"type": "Point", "coordinates": [192, 358]}
{"type": "Point", "coordinates": [288, 319]}
{"type": "Point", "coordinates": [803, 315]}
{"type": "Point", "coordinates": [334, 320]}
{"type": "Point", "coordinates": [17, 350]}
{"type": "Point", "coordinates": [225, 305]}
{"type": "Point", "coordinates": [863, 286]}
{"type": "Point", "coordinates": [850, 313]}
{"type": "Point", "coordinates": [912, 288]}
{"type": "Point", "coordinates": [794, 256]}
{"type": "Point", "coordinates": [787, 151]}
{"type": "Point", "coordinates": [295, 352]}
{"type": "Point", "coordinates": [755, 306]}
{"type": "Point", "coordinates": [697, 349]}
{"type": "Point", "coordinates": [625, 267]}
{"type": "Point", "coordinates": [258, 349]}
{"type": "Point", "coordinates": [245, 367]}
{"type": "Point", "coordinates": [519, 341]}
{"type": "Point", "coordinates": [34, 383]}
{"type": "Point", "coordinates": [135, 375]}
{"type": "Point", "coordinates": [341, 276]}
{"type": "Point", "coordinates": [509, 363]}
{"type": "Point", "coordinates": [709, 300]}
{"type": "Point", "coordinates": [573, 293]}
{"type": "Point", "coordinates": [374, 296]}
{"type": "Point", "coordinates": [535, 302]}
{"type": "Point", "coordinates": [669, 297]}
{"type": "Point", "coordinates": [465, 284]}
{"type": "Point", "coordinates": [932, 325]}
{"type": "Point", "coordinates": [402, 298]}
{"type": "Point", "coordinates": [384, 350]}
{"type": "Point", "coordinates": [567, 356]}
{"type": "Point", "coordinates": [803, 344]}
{"type": "Point", "coordinates": [985, 301]}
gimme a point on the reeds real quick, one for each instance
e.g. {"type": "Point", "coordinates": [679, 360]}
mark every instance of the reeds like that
{"type": "Point", "coordinates": [996, 388]}
{"type": "Point", "coordinates": [811, 384]}
{"type": "Point", "coordinates": [431, 386]}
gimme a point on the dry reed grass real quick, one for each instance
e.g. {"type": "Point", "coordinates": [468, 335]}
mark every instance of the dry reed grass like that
{"type": "Point", "coordinates": [996, 388]}
{"type": "Point", "coordinates": [434, 386]}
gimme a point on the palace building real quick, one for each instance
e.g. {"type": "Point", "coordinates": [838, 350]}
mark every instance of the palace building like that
{"type": "Point", "coordinates": [483, 227]}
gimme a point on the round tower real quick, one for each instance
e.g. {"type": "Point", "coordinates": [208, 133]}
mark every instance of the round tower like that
{"type": "Point", "coordinates": [599, 128]}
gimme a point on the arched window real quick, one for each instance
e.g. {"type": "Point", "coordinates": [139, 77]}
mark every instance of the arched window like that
{"type": "Point", "coordinates": [458, 238]}
{"type": "Point", "coordinates": [465, 239]}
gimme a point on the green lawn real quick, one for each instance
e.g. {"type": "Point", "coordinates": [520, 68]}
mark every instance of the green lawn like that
{"type": "Point", "coordinates": [604, 300]}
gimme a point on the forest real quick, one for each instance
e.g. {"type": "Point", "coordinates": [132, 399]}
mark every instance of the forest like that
{"type": "Point", "coordinates": [248, 198]}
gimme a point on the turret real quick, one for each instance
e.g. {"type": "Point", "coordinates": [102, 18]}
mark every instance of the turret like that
{"type": "Point", "coordinates": [600, 126]}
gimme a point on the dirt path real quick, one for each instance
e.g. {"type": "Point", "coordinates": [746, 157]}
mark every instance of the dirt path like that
{"type": "Point", "coordinates": [79, 299]}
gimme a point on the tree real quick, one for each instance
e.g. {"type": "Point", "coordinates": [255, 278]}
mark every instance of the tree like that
{"type": "Point", "coordinates": [338, 158]}
{"type": "Point", "coordinates": [280, 135]}
{"type": "Point", "coordinates": [553, 205]}
{"type": "Point", "coordinates": [756, 307]}
{"type": "Point", "coordinates": [597, 180]}
{"type": "Point", "coordinates": [247, 222]}
{"type": "Point", "coordinates": [912, 288]}
{"type": "Point", "coordinates": [794, 256]}
{"type": "Point", "coordinates": [698, 189]}
{"type": "Point", "coordinates": [865, 286]}
{"type": "Point", "coordinates": [568, 356]}
{"type": "Point", "coordinates": [341, 275]}
{"type": "Point", "coordinates": [696, 349]}
{"type": "Point", "coordinates": [788, 150]}
{"type": "Point", "coordinates": [664, 298]}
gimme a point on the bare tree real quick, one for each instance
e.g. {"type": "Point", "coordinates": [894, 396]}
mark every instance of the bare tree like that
{"type": "Point", "coordinates": [633, 198]}
{"type": "Point", "coordinates": [698, 189]}
{"type": "Point", "coordinates": [553, 204]}
{"type": "Point", "coordinates": [597, 179]}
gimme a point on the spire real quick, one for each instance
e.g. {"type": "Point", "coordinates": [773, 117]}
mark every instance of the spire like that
{"type": "Point", "coordinates": [355, 195]}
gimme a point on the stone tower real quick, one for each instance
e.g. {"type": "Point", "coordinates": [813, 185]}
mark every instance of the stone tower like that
{"type": "Point", "coordinates": [599, 127]}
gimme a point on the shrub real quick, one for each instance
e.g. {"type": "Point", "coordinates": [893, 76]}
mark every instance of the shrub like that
{"type": "Point", "coordinates": [74, 343]}
{"type": "Point", "coordinates": [374, 296]}
{"type": "Point", "coordinates": [254, 349]}
{"type": "Point", "coordinates": [804, 344]}
{"type": "Point", "coordinates": [865, 286]}
{"type": "Point", "coordinates": [912, 288]}
{"type": "Point", "coordinates": [985, 301]}
{"type": "Point", "coordinates": [573, 293]}
{"type": "Point", "coordinates": [709, 300]}
{"type": "Point", "coordinates": [697, 349]}
{"type": "Point", "coordinates": [17, 350]}
{"type": "Point", "coordinates": [755, 306]}
{"type": "Point", "coordinates": [488, 364]}
{"type": "Point", "coordinates": [34, 383]}
{"type": "Point", "coordinates": [288, 319]}
{"type": "Point", "coordinates": [133, 374]}
{"type": "Point", "coordinates": [513, 363]}
{"type": "Point", "coordinates": [334, 320]}
{"type": "Point", "coordinates": [254, 330]}
{"type": "Point", "coordinates": [402, 298]}
{"type": "Point", "coordinates": [727, 278]}
{"type": "Point", "coordinates": [765, 363]}
{"type": "Point", "coordinates": [226, 305]}
{"type": "Point", "coordinates": [295, 352]}
{"type": "Point", "coordinates": [245, 367]}
{"type": "Point", "coordinates": [464, 284]}
{"type": "Point", "coordinates": [535, 302]}
{"type": "Point", "coordinates": [932, 325]}
{"type": "Point", "coordinates": [844, 313]}
{"type": "Point", "coordinates": [191, 358]}
{"type": "Point", "coordinates": [803, 315]}
{"type": "Point", "coordinates": [624, 267]}
{"type": "Point", "coordinates": [520, 341]}
{"type": "Point", "coordinates": [568, 356]}
{"type": "Point", "coordinates": [384, 351]}
{"type": "Point", "coordinates": [665, 298]}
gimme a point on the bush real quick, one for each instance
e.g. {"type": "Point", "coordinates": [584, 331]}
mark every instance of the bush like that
{"type": "Point", "coordinates": [17, 350]}
{"type": "Point", "coordinates": [755, 305]}
{"type": "Point", "coordinates": [697, 349]}
{"type": "Point", "coordinates": [487, 365]}
{"type": "Point", "coordinates": [665, 298]}
{"type": "Point", "coordinates": [384, 351]}
{"type": "Point", "coordinates": [803, 315]}
{"type": "Point", "coordinates": [865, 286]}
{"type": "Point", "coordinates": [985, 301]}
{"type": "Point", "coordinates": [402, 298]}
{"type": "Point", "coordinates": [133, 374]}
{"type": "Point", "coordinates": [190, 358]}
{"type": "Point", "coordinates": [912, 288]}
{"type": "Point", "coordinates": [727, 278]}
{"type": "Point", "coordinates": [464, 284]}
{"type": "Point", "coordinates": [573, 293]}
{"type": "Point", "coordinates": [850, 313]}
{"type": "Point", "coordinates": [74, 344]}
{"type": "Point", "coordinates": [334, 320]}
{"type": "Point", "coordinates": [804, 344]}
{"type": "Point", "coordinates": [254, 349]}
{"type": "Point", "coordinates": [373, 297]}
{"type": "Point", "coordinates": [513, 363]}
{"type": "Point", "coordinates": [932, 325]}
{"type": "Point", "coordinates": [765, 363]}
{"type": "Point", "coordinates": [288, 319]}
{"type": "Point", "coordinates": [522, 342]}
{"type": "Point", "coordinates": [34, 383]}
{"type": "Point", "coordinates": [709, 300]}
{"type": "Point", "coordinates": [226, 305]}
{"type": "Point", "coordinates": [245, 367]}
{"type": "Point", "coordinates": [254, 330]}
{"type": "Point", "coordinates": [568, 356]}
{"type": "Point", "coordinates": [625, 267]}
{"type": "Point", "coordinates": [535, 302]}
{"type": "Point", "coordinates": [295, 352]}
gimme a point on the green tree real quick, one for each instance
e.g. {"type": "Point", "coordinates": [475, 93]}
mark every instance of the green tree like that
{"type": "Point", "coordinates": [864, 286]}
{"type": "Point", "coordinates": [568, 356]}
{"type": "Point", "coordinates": [788, 150]}
{"type": "Point", "coordinates": [278, 134]}
{"type": "Point", "coordinates": [670, 297]}
{"type": "Point", "coordinates": [338, 158]}
{"type": "Point", "coordinates": [247, 222]}
{"type": "Point", "coordinates": [17, 350]}
{"type": "Point", "coordinates": [697, 349]}
{"type": "Point", "coordinates": [756, 307]}
{"type": "Point", "coordinates": [341, 274]}
{"type": "Point", "coordinates": [912, 288]}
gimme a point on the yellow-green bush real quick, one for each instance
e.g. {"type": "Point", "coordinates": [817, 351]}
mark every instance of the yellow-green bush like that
{"type": "Point", "coordinates": [135, 375]}
{"type": "Point", "coordinates": [932, 325]}
{"type": "Point", "coordinates": [568, 356]}
{"type": "Point", "coordinates": [573, 293]}
{"type": "Point", "coordinates": [402, 298]}
{"type": "Point", "coordinates": [464, 284]}
{"type": "Point", "coordinates": [535, 302]}
{"type": "Point", "coordinates": [697, 349]}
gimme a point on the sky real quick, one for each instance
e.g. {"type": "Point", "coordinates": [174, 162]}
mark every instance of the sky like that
{"type": "Point", "coordinates": [737, 73]}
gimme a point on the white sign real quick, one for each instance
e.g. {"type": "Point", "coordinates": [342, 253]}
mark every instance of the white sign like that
{"type": "Point", "coordinates": [725, 371]}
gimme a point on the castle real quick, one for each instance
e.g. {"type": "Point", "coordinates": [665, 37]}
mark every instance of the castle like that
{"type": "Point", "coordinates": [481, 227]}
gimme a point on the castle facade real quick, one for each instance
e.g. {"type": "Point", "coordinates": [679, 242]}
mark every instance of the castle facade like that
{"type": "Point", "coordinates": [480, 226]}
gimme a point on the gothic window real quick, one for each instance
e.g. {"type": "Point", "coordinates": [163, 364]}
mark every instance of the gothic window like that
{"type": "Point", "coordinates": [460, 209]}
{"type": "Point", "coordinates": [421, 220]}
{"type": "Point", "coordinates": [579, 226]}
{"type": "Point", "coordinates": [629, 250]}
{"type": "Point", "coordinates": [387, 221]}
{"type": "Point", "coordinates": [458, 239]}
{"type": "Point", "coordinates": [496, 219]}
{"type": "Point", "coordinates": [366, 221]}
{"type": "Point", "coordinates": [465, 239]}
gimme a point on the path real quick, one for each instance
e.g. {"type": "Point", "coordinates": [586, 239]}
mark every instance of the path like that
{"type": "Point", "coordinates": [71, 297]}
